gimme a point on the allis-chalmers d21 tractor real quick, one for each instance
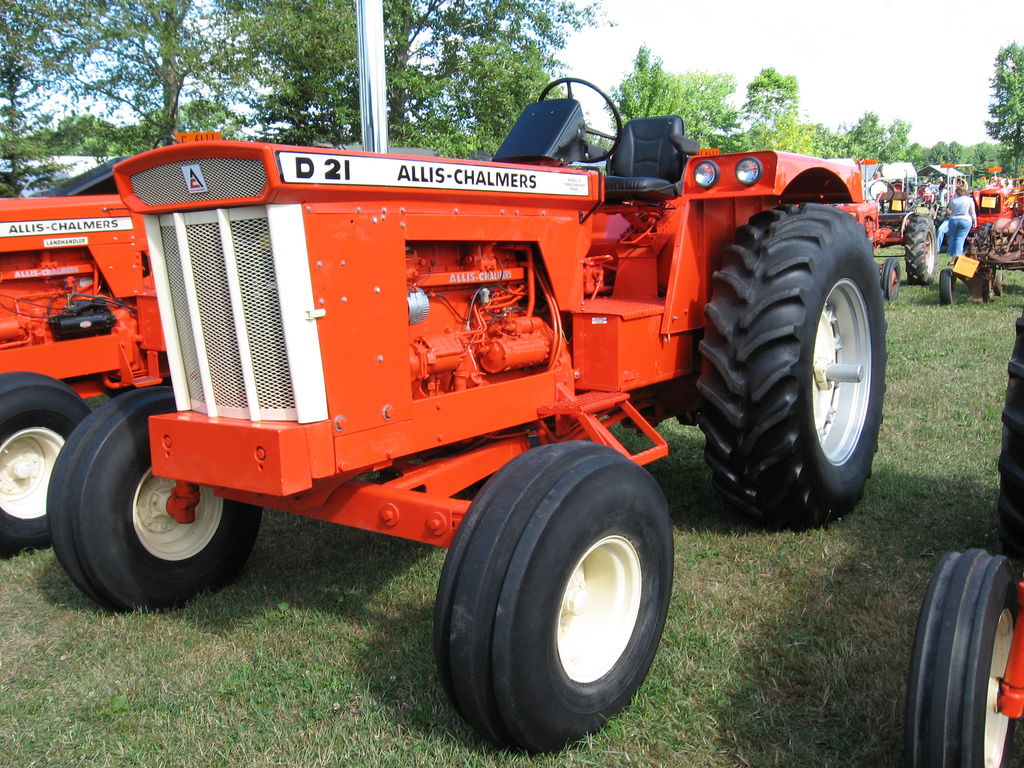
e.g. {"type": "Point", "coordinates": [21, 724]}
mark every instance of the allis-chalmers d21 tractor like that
{"type": "Point", "coordinates": [357, 338]}
{"type": "Point", "coordinates": [78, 318]}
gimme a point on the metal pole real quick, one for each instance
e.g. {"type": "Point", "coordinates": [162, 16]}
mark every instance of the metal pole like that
{"type": "Point", "coordinates": [373, 105]}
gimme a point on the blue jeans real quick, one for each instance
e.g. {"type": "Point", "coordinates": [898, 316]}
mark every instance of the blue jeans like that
{"type": "Point", "coordinates": [959, 228]}
{"type": "Point", "coordinates": [940, 234]}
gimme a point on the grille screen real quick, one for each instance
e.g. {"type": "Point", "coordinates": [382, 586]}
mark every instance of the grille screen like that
{"type": "Point", "coordinates": [182, 321]}
{"type": "Point", "coordinates": [225, 177]}
{"type": "Point", "coordinates": [261, 307]}
{"type": "Point", "coordinates": [214, 299]}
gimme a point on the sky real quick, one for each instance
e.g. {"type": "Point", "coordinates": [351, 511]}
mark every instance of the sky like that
{"type": "Point", "coordinates": [929, 64]}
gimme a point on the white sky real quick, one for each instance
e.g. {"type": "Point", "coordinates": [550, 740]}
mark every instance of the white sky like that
{"type": "Point", "coordinates": [928, 63]}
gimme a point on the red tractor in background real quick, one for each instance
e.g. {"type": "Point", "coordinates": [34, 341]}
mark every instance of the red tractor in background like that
{"type": "Point", "coordinates": [994, 245]}
{"type": "Point", "coordinates": [899, 216]}
{"type": "Point", "coordinates": [78, 318]}
{"type": "Point", "coordinates": [359, 337]}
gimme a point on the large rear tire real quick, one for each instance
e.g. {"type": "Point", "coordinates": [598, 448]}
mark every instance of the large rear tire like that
{"type": "Point", "coordinates": [37, 414]}
{"type": "Point", "coordinates": [794, 366]}
{"type": "Point", "coordinates": [960, 652]}
{"type": "Point", "coordinates": [551, 609]}
{"type": "Point", "coordinates": [117, 541]}
{"type": "Point", "coordinates": [921, 253]}
{"type": "Point", "coordinates": [1011, 454]}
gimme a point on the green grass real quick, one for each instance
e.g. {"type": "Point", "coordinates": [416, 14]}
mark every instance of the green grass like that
{"type": "Point", "coordinates": [786, 649]}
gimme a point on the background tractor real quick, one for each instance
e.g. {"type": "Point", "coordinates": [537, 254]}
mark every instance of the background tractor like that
{"type": "Point", "coordinates": [78, 318]}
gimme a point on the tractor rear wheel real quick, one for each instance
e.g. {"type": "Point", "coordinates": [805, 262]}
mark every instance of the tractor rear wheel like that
{"type": "Point", "coordinates": [116, 534]}
{"type": "Point", "coordinates": [961, 647]}
{"type": "Point", "coordinates": [794, 366]}
{"type": "Point", "coordinates": [37, 414]}
{"type": "Point", "coordinates": [919, 243]}
{"type": "Point", "coordinates": [947, 287]}
{"type": "Point", "coordinates": [890, 278]}
{"type": "Point", "coordinates": [552, 608]}
{"type": "Point", "coordinates": [1011, 454]}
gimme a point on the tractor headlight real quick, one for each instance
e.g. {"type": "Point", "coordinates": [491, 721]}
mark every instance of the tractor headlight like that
{"type": "Point", "coordinates": [749, 171]}
{"type": "Point", "coordinates": [706, 174]}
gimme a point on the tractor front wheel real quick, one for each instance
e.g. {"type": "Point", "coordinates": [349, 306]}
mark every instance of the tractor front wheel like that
{"type": "Point", "coordinates": [794, 366]}
{"type": "Point", "coordinates": [890, 278]}
{"type": "Point", "coordinates": [112, 532]}
{"type": "Point", "coordinates": [947, 287]}
{"type": "Point", "coordinates": [960, 652]}
{"type": "Point", "coordinates": [552, 601]}
{"type": "Point", "coordinates": [37, 414]}
{"type": "Point", "coordinates": [921, 253]}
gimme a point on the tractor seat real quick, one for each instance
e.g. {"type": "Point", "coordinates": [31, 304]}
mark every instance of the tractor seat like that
{"type": "Point", "coordinates": [648, 165]}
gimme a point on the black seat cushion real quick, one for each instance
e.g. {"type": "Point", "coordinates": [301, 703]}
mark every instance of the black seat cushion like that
{"type": "Point", "coordinates": [649, 162]}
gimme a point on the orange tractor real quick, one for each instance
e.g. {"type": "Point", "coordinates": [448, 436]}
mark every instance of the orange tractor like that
{"type": "Point", "coordinates": [78, 318]}
{"type": "Point", "coordinates": [994, 246]}
{"type": "Point", "coordinates": [358, 337]}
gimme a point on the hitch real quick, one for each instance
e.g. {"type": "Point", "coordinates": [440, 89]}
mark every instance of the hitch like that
{"type": "Point", "coordinates": [182, 503]}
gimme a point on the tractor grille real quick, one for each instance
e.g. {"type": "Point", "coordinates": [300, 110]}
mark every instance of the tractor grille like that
{"type": "Point", "coordinates": [218, 281]}
{"type": "Point", "coordinates": [226, 177]}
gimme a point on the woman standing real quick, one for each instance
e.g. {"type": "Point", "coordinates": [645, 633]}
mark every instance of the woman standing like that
{"type": "Point", "coordinates": [962, 218]}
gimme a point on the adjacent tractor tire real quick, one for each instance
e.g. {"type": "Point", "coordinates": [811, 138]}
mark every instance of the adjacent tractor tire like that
{"type": "Point", "coordinates": [960, 652]}
{"type": "Point", "coordinates": [112, 532]}
{"type": "Point", "coordinates": [921, 253]}
{"type": "Point", "coordinates": [1011, 454]}
{"type": "Point", "coordinates": [889, 277]}
{"type": "Point", "coordinates": [794, 366]}
{"type": "Point", "coordinates": [554, 595]}
{"type": "Point", "coordinates": [37, 414]}
{"type": "Point", "coordinates": [947, 287]}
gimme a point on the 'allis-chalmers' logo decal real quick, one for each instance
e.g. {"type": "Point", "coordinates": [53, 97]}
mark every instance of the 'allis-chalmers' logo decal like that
{"type": "Point", "coordinates": [194, 180]}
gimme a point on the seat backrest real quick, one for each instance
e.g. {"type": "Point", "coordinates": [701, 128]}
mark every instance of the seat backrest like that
{"type": "Point", "coordinates": [547, 131]}
{"type": "Point", "coordinates": [647, 150]}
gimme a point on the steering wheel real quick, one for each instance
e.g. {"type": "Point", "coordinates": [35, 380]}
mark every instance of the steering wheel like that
{"type": "Point", "coordinates": [616, 139]}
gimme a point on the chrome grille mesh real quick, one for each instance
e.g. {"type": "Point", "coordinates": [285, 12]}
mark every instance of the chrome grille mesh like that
{"type": "Point", "coordinates": [245, 380]}
{"type": "Point", "coordinates": [182, 322]}
{"type": "Point", "coordinates": [225, 177]}
{"type": "Point", "coordinates": [260, 303]}
{"type": "Point", "coordinates": [214, 298]}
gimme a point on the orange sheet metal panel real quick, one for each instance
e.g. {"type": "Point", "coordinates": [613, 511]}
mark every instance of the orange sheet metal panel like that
{"type": "Point", "coordinates": [617, 346]}
{"type": "Point", "coordinates": [66, 359]}
{"type": "Point", "coordinates": [275, 458]}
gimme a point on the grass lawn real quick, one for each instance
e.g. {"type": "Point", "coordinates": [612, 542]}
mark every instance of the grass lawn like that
{"type": "Point", "coordinates": [781, 649]}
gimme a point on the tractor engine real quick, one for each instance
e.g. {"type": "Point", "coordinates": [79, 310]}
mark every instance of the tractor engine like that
{"type": "Point", "coordinates": [1001, 240]}
{"type": "Point", "coordinates": [477, 311]}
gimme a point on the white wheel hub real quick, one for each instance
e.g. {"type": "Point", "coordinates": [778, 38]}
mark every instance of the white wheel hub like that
{"type": "Point", "coordinates": [599, 609]}
{"type": "Point", "coordinates": [161, 534]}
{"type": "Point", "coordinates": [26, 462]}
{"type": "Point", "coordinates": [841, 368]}
{"type": "Point", "coordinates": [996, 723]}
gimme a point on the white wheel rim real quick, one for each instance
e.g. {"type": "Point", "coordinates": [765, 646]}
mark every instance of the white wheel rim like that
{"type": "Point", "coordinates": [996, 723]}
{"type": "Point", "coordinates": [843, 338]}
{"type": "Point", "coordinates": [161, 534]}
{"type": "Point", "coordinates": [26, 462]}
{"type": "Point", "coordinates": [931, 256]}
{"type": "Point", "coordinates": [598, 610]}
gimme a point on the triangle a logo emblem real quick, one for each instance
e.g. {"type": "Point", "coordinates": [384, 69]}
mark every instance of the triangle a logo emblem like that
{"type": "Point", "coordinates": [194, 181]}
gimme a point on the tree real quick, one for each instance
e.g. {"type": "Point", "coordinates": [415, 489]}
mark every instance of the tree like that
{"type": "Point", "coordinates": [147, 58]}
{"type": "Point", "coordinates": [458, 71]}
{"type": "Point", "coordinates": [700, 98]}
{"type": "Point", "coordinates": [869, 137]}
{"type": "Point", "coordinates": [1007, 106]}
{"type": "Point", "coordinates": [27, 57]}
{"type": "Point", "coordinates": [772, 109]}
{"type": "Point", "coordinates": [301, 57]}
